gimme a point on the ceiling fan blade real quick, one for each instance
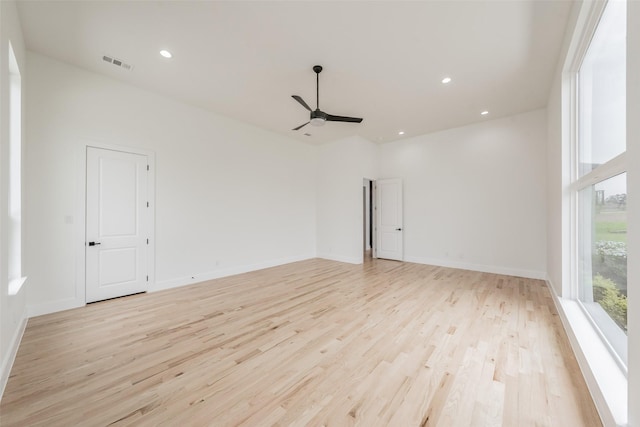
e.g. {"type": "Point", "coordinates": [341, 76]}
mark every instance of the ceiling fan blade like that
{"type": "Point", "coordinates": [301, 101]}
{"type": "Point", "coordinates": [301, 126]}
{"type": "Point", "coordinates": [331, 118]}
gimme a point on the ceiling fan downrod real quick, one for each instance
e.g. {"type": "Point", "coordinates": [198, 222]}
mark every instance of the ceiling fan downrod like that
{"type": "Point", "coordinates": [317, 69]}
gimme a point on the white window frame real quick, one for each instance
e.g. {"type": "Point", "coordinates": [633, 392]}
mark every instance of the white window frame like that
{"type": "Point", "coordinates": [611, 168]}
{"type": "Point", "coordinates": [605, 376]}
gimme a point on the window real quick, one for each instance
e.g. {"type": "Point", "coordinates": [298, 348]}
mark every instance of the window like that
{"type": "Point", "coordinates": [600, 185]}
{"type": "Point", "coordinates": [602, 92]}
{"type": "Point", "coordinates": [15, 177]}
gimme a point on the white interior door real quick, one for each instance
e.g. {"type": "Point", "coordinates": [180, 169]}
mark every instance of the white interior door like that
{"type": "Point", "coordinates": [389, 241]}
{"type": "Point", "coordinates": [117, 224]}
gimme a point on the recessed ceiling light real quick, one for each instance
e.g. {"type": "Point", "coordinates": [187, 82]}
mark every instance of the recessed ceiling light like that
{"type": "Point", "coordinates": [166, 53]}
{"type": "Point", "coordinates": [446, 80]}
{"type": "Point", "coordinates": [484, 113]}
{"type": "Point", "coordinates": [401, 132]}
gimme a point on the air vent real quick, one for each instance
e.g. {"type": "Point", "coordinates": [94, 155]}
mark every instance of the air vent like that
{"type": "Point", "coordinates": [117, 62]}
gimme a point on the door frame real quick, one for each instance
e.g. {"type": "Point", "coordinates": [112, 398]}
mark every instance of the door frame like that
{"type": "Point", "coordinates": [372, 216]}
{"type": "Point", "coordinates": [80, 213]}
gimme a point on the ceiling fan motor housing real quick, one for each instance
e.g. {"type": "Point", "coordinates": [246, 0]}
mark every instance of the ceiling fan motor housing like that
{"type": "Point", "coordinates": [318, 117]}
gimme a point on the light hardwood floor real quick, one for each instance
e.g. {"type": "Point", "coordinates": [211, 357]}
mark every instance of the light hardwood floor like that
{"type": "Point", "coordinates": [316, 343]}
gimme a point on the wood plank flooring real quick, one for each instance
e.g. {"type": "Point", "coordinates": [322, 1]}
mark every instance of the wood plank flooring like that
{"type": "Point", "coordinates": [313, 343]}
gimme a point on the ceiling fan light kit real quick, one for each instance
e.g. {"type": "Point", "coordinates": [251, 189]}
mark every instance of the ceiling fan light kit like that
{"type": "Point", "coordinates": [317, 121]}
{"type": "Point", "coordinates": [318, 117]}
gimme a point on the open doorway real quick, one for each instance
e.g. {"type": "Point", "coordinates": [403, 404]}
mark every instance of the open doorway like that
{"type": "Point", "coordinates": [368, 234]}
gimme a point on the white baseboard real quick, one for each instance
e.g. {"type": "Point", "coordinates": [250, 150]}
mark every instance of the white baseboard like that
{"type": "Point", "coordinates": [529, 274]}
{"type": "Point", "coordinates": [225, 272]}
{"type": "Point", "coordinates": [7, 363]}
{"type": "Point", "coordinates": [54, 306]}
{"type": "Point", "coordinates": [341, 258]}
{"type": "Point", "coordinates": [606, 384]}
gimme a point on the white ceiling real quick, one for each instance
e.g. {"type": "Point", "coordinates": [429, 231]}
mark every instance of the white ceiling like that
{"type": "Point", "coordinates": [383, 61]}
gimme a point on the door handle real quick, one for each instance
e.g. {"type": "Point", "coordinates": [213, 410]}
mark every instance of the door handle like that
{"type": "Point", "coordinates": [398, 229]}
{"type": "Point", "coordinates": [94, 243]}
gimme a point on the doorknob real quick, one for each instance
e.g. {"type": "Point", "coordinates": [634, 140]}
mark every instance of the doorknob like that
{"type": "Point", "coordinates": [398, 229]}
{"type": "Point", "coordinates": [94, 243]}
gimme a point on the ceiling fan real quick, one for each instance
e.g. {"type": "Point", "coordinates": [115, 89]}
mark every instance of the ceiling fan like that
{"type": "Point", "coordinates": [318, 117]}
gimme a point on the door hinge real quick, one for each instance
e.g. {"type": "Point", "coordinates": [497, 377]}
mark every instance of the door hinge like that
{"type": "Point", "coordinates": [147, 167]}
{"type": "Point", "coordinates": [147, 204]}
{"type": "Point", "coordinates": [147, 278]}
{"type": "Point", "coordinates": [147, 241]}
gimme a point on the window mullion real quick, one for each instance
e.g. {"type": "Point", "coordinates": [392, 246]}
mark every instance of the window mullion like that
{"type": "Point", "coordinates": [613, 167]}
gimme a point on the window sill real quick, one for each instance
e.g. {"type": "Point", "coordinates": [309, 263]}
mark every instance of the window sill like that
{"type": "Point", "coordinates": [606, 379]}
{"type": "Point", "coordinates": [616, 336]}
{"type": "Point", "coordinates": [15, 285]}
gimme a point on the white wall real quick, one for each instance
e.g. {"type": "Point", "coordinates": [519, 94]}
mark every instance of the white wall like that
{"type": "Point", "coordinates": [341, 167]}
{"type": "Point", "coordinates": [12, 307]}
{"type": "Point", "coordinates": [555, 185]}
{"type": "Point", "coordinates": [229, 197]}
{"type": "Point", "coordinates": [633, 212]}
{"type": "Point", "coordinates": [474, 196]}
